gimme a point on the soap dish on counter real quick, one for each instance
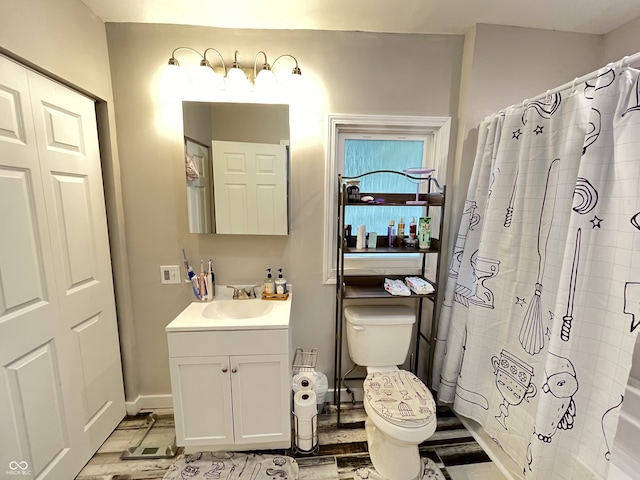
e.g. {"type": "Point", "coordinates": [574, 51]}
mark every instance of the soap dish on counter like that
{"type": "Point", "coordinates": [275, 296]}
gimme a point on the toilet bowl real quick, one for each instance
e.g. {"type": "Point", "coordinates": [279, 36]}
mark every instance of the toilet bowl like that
{"type": "Point", "coordinates": [401, 412]}
{"type": "Point", "coordinates": [399, 418]}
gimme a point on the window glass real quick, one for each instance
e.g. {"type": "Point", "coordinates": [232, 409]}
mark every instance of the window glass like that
{"type": "Point", "coordinates": [365, 155]}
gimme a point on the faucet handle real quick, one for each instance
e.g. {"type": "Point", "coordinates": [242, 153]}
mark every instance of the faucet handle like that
{"type": "Point", "coordinates": [253, 294]}
{"type": "Point", "coordinates": [244, 292]}
{"type": "Point", "coordinates": [236, 291]}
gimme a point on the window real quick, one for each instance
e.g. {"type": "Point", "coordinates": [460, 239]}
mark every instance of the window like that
{"type": "Point", "coordinates": [363, 154]}
{"type": "Point", "coordinates": [359, 144]}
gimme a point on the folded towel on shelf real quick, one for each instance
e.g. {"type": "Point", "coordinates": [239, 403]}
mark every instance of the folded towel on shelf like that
{"type": "Point", "coordinates": [396, 287]}
{"type": "Point", "coordinates": [419, 285]}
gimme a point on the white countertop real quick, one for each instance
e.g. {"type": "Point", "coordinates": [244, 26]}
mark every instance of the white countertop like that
{"type": "Point", "coordinates": [204, 316]}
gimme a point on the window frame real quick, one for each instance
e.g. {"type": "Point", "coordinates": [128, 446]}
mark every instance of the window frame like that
{"type": "Point", "coordinates": [435, 129]}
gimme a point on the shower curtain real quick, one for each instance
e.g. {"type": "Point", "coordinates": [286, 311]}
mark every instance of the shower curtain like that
{"type": "Point", "coordinates": [542, 303]}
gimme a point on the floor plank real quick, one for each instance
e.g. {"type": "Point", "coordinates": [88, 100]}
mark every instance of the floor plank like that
{"type": "Point", "coordinates": [341, 450]}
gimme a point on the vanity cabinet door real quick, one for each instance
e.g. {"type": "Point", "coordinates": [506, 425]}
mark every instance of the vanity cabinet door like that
{"type": "Point", "coordinates": [261, 398]}
{"type": "Point", "coordinates": [202, 400]}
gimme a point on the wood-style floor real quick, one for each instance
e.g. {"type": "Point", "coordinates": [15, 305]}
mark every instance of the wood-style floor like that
{"type": "Point", "coordinates": [341, 452]}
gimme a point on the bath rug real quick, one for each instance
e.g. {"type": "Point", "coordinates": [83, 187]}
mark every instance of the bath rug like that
{"type": "Point", "coordinates": [232, 466]}
{"type": "Point", "coordinates": [429, 471]}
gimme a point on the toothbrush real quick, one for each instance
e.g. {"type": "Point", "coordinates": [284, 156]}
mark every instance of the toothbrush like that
{"type": "Point", "coordinates": [211, 293]}
{"type": "Point", "coordinates": [191, 275]}
{"type": "Point", "coordinates": [202, 286]}
{"type": "Point", "coordinates": [186, 264]}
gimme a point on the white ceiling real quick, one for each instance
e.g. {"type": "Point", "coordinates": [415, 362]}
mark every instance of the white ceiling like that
{"type": "Point", "coordinates": [395, 16]}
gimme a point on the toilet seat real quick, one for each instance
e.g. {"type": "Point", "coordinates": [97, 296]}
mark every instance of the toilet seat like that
{"type": "Point", "coordinates": [400, 398]}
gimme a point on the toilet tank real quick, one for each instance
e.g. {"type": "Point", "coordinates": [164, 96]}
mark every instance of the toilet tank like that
{"type": "Point", "coordinates": [379, 336]}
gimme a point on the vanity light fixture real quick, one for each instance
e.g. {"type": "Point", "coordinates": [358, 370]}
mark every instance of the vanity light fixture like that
{"type": "Point", "coordinates": [234, 79]}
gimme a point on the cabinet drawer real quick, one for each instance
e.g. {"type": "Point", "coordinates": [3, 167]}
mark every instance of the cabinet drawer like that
{"type": "Point", "coordinates": [235, 342]}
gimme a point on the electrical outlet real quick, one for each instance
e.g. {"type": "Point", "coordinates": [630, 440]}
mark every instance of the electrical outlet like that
{"type": "Point", "coordinates": [169, 274]}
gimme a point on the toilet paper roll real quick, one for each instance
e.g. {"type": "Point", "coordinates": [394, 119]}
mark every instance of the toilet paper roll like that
{"type": "Point", "coordinates": [304, 407]}
{"type": "Point", "coordinates": [304, 382]}
{"type": "Point", "coordinates": [361, 239]}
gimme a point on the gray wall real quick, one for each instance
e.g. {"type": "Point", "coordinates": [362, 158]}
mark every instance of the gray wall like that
{"type": "Point", "coordinates": [345, 73]}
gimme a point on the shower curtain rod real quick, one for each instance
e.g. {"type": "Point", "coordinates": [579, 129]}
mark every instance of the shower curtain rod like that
{"type": "Point", "coordinates": [627, 60]}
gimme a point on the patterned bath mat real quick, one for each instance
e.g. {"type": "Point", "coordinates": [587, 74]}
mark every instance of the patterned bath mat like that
{"type": "Point", "coordinates": [430, 471]}
{"type": "Point", "coordinates": [232, 466]}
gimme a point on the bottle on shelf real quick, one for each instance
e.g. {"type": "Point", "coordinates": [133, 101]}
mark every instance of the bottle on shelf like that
{"type": "Point", "coordinates": [413, 234]}
{"type": "Point", "coordinates": [353, 191]}
{"type": "Point", "coordinates": [400, 235]}
{"type": "Point", "coordinates": [424, 232]}
{"type": "Point", "coordinates": [391, 232]}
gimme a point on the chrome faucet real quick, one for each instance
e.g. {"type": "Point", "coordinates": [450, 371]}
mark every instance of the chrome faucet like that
{"type": "Point", "coordinates": [243, 293]}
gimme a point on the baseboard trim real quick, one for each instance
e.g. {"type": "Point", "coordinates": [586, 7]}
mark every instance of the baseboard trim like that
{"type": "Point", "coordinates": [344, 396]}
{"type": "Point", "coordinates": [146, 402]}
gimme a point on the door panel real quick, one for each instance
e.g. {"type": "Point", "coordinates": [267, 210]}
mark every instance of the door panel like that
{"type": "Point", "coordinates": [33, 410]}
{"type": "Point", "coordinates": [261, 398]}
{"type": "Point", "coordinates": [63, 129]}
{"type": "Point", "coordinates": [19, 252]}
{"type": "Point", "coordinates": [202, 400]}
{"type": "Point", "coordinates": [74, 224]}
{"type": "Point", "coordinates": [31, 378]}
{"type": "Point", "coordinates": [67, 141]}
{"type": "Point", "coordinates": [250, 188]}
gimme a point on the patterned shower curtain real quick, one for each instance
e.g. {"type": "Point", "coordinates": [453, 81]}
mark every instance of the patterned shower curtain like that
{"type": "Point", "coordinates": [542, 302]}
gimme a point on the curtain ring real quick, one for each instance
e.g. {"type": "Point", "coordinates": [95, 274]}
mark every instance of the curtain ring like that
{"type": "Point", "coordinates": [524, 103]}
{"type": "Point", "coordinates": [573, 85]}
{"type": "Point", "coordinates": [547, 97]}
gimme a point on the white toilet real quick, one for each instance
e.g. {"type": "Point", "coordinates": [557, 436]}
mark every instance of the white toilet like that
{"type": "Point", "coordinates": [401, 412]}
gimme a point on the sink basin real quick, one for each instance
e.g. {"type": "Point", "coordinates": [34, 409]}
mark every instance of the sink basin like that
{"type": "Point", "coordinates": [224, 313]}
{"type": "Point", "coordinates": [237, 309]}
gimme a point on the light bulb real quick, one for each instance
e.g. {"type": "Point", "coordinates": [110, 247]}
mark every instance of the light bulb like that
{"type": "Point", "coordinates": [265, 81]}
{"type": "Point", "coordinates": [207, 80]}
{"type": "Point", "coordinates": [237, 80]}
{"type": "Point", "coordinates": [173, 81]}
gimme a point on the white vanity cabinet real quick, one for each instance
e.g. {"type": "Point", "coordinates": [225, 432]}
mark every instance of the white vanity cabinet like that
{"type": "Point", "coordinates": [231, 388]}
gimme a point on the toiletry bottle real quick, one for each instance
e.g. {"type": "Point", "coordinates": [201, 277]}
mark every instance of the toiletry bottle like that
{"type": "Point", "coordinates": [268, 284]}
{"type": "Point", "coordinates": [281, 283]}
{"type": "Point", "coordinates": [424, 233]}
{"type": "Point", "coordinates": [353, 191]}
{"type": "Point", "coordinates": [391, 232]}
{"type": "Point", "coordinates": [413, 234]}
{"type": "Point", "coordinates": [400, 231]}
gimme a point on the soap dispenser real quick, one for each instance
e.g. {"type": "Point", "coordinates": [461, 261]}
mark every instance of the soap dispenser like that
{"type": "Point", "coordinates": [281, 283]}
{"type": "Point", "coordinates": [268, 284]}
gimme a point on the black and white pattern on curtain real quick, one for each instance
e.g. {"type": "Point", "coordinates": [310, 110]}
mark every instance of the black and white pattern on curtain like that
{"type": "Point", "coordinates": [541, 307]}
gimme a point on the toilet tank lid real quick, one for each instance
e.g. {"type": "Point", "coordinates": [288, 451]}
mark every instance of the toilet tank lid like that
{"type": "Point", "coordinates": [380, 315]}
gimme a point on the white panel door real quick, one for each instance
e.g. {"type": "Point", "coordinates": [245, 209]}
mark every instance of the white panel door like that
{"type": "Point", "coordinates": [261, 398]}
{"type": "Point", "coordinates": [250, 188]}
{"type": "Point", "coordinates": [59, 398]}
{"type": "Point", "coordinates": [67, 139]}
{"type": "Point", "coordinates": [201, 390]}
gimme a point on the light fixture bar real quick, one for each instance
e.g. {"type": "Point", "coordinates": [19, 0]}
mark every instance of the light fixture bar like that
{"type": "Point", "coordinates": [235, 77]}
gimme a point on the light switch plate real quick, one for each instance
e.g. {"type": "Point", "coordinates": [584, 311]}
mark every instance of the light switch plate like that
{"type": "Point", "coordinates": [169, 274]}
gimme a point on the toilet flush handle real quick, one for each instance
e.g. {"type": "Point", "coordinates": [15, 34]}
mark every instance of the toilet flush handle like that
{"type": "Point", "coordinates": [357, 328]}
